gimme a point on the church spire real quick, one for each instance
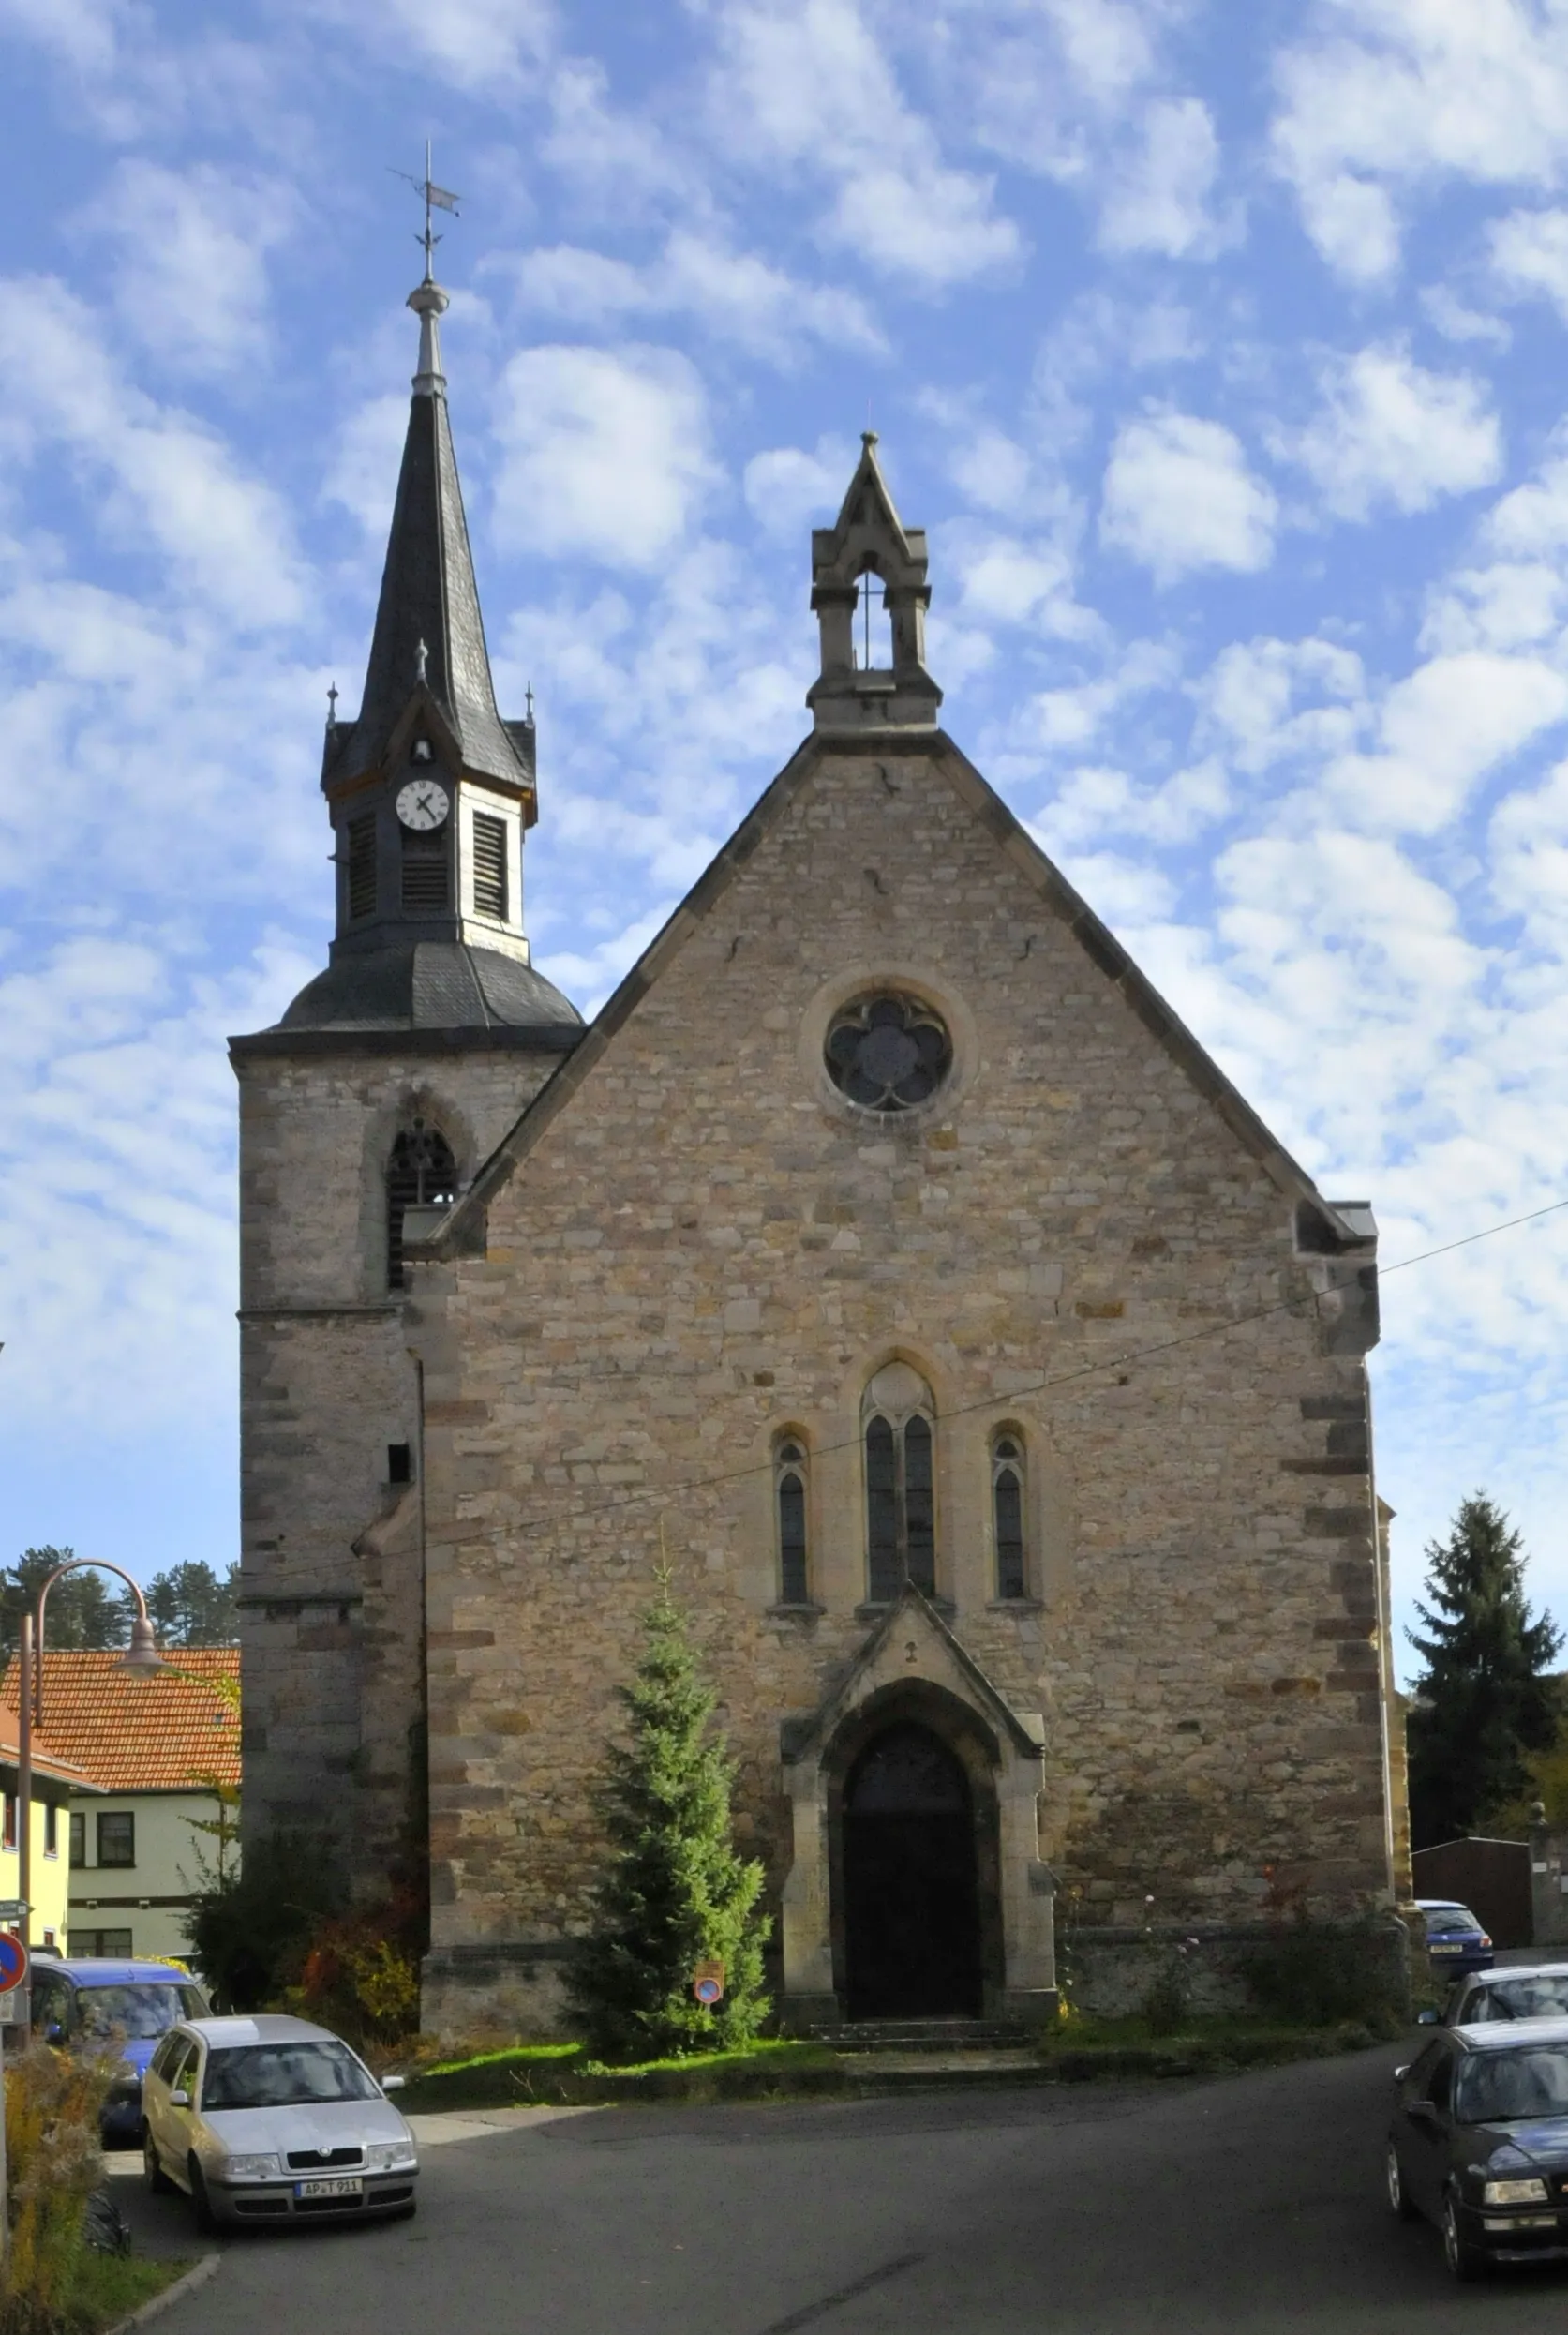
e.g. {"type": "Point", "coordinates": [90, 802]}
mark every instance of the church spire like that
{"type": "Point", "coordinates": [870, 593]}
{"type": "Point", "coordinates": [430, 600]}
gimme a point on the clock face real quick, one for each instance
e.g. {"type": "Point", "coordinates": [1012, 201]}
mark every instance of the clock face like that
{"type": "Point", "coordinates": [422, 802]}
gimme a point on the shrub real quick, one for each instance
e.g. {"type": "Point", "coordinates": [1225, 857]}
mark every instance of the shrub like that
{"type": "Point", "coordinates": [360, 1973]}
{"type": "Point", "coordinates": [53, 2165]}
{"type": "Point", "coordinates": [250, 1929]}
{"type": "Point", "coordinates": [1320, 1973]}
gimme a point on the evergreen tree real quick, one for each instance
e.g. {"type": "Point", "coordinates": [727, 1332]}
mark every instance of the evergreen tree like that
{"type": "Point", "coordinates": [1483, 1702]}
{"type": "Point", "coordinates": [673, 1893]}
{"type": "Point", "coordinates": [191, 1606]}
{"type": "Point", "coordinates": [84, 1609]}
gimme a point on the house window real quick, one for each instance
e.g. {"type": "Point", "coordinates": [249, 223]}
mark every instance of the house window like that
{"type": "Point", "coordinates": [112, 1943]}
{"type": "Point", "coordinates": [117, 1838]}
{"type": "Point", "coordinates": [51, 1829]}
{"type": "Point", "coordinates": [423, 868]}
{"type": "Point", "coordinates": [362, 866]}
{"type": "Point", "coordinates": [789, 1493]}
{"type": "Point", "coordinates": [490, 865]}
{"type": "Point", "coordinates": [1007, 1514]}
{"type": "Point", "coordinates": [78, 1843]}
{"type": "Point", "coordinates": [8, 1834]}
{"type": "Point", "coordinates": [900, 1484]}
{"type": "Point", "coordinates": [399, 1463]}
{"type": "Point", "coordinates": [422, 1172]}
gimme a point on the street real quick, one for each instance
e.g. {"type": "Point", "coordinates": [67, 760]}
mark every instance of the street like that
{"type": "Point", "coordinates": [1252, 2203]}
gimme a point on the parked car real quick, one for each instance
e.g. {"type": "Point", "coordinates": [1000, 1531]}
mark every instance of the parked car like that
{"type": "Point", "coordinates": [1455, 1939]}
{"type": "Point", "coordinates": [1525, 1990]}
{"type": "Point", "coordinates": [1479, 2142]}
{"type": "Point", "coordinates": [273, 2119]}
{"type": "Point", "coordinates": [81, 2002]}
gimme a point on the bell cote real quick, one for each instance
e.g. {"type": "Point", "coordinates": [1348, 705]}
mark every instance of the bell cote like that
{"type": "Point", "coordinates": [870, 593]}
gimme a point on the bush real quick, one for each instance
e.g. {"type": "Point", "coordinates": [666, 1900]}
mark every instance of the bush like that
{"type": "Point", "coordinates": [360, 1974]}
{"type": "Point", "coordinates": [53, 2165]}
{"type": "Point", "coordinates": [251, 1930]}
{"type": "Point", "coordinates": [1323, 1974]}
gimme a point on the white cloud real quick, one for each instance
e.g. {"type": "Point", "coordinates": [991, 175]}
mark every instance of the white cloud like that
{"type": "Point", "coordinates": [807, 84]}
{"type": "Point", "coordinates": [1159, 200]}
{"type": "Point", "coordinates": [159, 476]}
{"type": "Point", "coordinates": [733, 295]}
{"type": "Point", "coordinates": [190, 280]}
{"type": "Point", "coordinates": [786, 488]}
{"type": "Point", "coordinates": [1529, 254]}
{"type": "Point", "coordinates": [1390, 432]}
{"type": "Point", "coordinates": [1273, 701]}
{"type": "Point", "coordinates": [1443, 729]}
{"type": "Point", "coordinates": [1450, 317]}
{"type": "Point", "coordinates": [1179, 497]}
{"type": "Point", "coordinates": [363, 471]}
{"type": "Point", "coordinates": [605, 455]}
{"type": "Point", "coordinates": [1380, 99]}
{"type": "Point", "coordinates": [482, 47]}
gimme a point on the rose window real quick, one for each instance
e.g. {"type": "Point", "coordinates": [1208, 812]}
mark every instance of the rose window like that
{"type": "Point", "coordinates": [888, 1053]}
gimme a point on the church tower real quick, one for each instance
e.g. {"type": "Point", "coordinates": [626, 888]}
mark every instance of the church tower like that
{"type": "Point", "coordinates": [389, 1079]}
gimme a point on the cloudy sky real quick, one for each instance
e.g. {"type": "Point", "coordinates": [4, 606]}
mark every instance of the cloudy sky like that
{"type": "Point", "coordinates": [1221, 351]}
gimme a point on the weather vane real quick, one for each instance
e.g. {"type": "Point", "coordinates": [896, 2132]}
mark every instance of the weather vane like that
{"type": "Point", "coordinates": [435, 198]}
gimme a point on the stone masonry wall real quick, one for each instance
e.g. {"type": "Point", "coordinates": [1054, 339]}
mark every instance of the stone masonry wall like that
{"type": "Point", "coordinates": [704, 1246]}
{"type": "Point", "coordinates": [332, 1639]}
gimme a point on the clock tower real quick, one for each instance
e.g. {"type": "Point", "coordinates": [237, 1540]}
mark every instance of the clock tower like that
{"type": "Point", "coordinates": [389, 1079]}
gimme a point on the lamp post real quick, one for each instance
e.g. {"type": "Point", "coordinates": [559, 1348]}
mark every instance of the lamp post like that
{"type": "Point", "coordinates": [140, 1656]}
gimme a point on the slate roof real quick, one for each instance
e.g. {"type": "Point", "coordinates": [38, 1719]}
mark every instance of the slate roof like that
{"type": "Point", "coordinates": [168, 1733]}
{"type": "Point", "coordinates": [434, 984]}
{"type": "Point", "coordinates": [428, 594]}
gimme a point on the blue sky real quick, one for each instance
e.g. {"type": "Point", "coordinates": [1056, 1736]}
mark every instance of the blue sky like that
{"type": "Point", "coordinates": [1220, 350]}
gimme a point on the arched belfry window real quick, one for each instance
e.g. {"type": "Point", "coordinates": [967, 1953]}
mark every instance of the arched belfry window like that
{"type": "Point", "coordinates": [873, 625]}
{"type": "Point", "coordinates": [1007, 1490]}
{"type": "Point", "coordinates": [421, 1173]}
{"type": "Point", "coordinates": [789, 1509]}
{"type": "Point", "coordinates": [896, 1417]}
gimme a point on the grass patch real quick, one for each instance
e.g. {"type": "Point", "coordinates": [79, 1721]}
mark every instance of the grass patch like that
{"type": "Point", "coordinates": [106, 2288]}
{"type": "Point", "coordinates": [552, 2075]}
{"type": "Point", "coordinates": [782, 2048]}
{"type": "Point", "coordinates": [1087, 2046]}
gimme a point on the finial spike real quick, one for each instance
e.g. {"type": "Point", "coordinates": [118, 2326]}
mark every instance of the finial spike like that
{"type": "Point", "coordinates": [528, 700]}
{"type": "Point", "coordinates": [427, 300]}
{"type": "Point", "coordinates": [332, 704]}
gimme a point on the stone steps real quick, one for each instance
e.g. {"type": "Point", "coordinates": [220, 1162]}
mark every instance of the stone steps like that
{"type": "Point", "coordinates": [949, 2037]}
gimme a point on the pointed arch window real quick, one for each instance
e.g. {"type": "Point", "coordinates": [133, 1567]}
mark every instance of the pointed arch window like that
{"type": "Point", "coordinates": [1007, 1485]}
{"type": "Point", "coordinates": [789, 1509]}
{"type": "Point", "coordinates": [873, 625]}
{"type": "Point", "coordinates": [421, 1173]}
{"type": "Point", "coordinates": [898, 1418]}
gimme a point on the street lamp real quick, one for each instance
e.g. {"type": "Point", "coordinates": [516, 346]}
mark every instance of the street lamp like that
{"type": "Point", "coordinates": [141, 1657]}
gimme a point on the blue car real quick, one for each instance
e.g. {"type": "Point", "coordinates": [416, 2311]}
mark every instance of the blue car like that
{"type": "Point", "coordinates": [1455, 1942]}
{"type": "Point", "coordinates": [82, 2001]}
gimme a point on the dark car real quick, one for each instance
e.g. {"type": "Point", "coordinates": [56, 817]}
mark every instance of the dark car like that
{"type": "Point", "coordinates": [82, 2001]}
{"type": "Point", "coordinates": [1479, 2142]}
{"type": "Point", "coordinates": [1526, 1990]}
{"type": "Point", "coordinates": [1456, 1941]}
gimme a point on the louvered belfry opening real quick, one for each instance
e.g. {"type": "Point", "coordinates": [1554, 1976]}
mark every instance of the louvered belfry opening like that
{"type": "Point", "coordinates": [490, 865]}
{"type": "Point", "coordinates": [362, 866]}
{"type": "Point", "coordinates": [421, 1173]}
{"type": "Point", "coordinates": [425, 877]}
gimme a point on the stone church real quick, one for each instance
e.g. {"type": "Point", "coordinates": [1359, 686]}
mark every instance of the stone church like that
{"type": "Point", "coordinates": [888, 1254]}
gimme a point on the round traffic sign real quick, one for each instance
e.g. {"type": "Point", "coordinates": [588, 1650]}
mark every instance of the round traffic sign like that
{"type": "Point", "coordinates": [708, 1989]}
{"type": "Point", "coordinates": [13, 1962]}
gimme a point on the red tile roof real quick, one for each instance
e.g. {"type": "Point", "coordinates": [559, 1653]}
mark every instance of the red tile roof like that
{"type": "Point", "coordinates": [171, 1731]}
{"type": "Point", "coordinates": [46, 1759]}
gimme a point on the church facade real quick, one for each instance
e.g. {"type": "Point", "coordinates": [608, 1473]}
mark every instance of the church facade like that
{"type": "Point", "coordinates": [889, 1258]}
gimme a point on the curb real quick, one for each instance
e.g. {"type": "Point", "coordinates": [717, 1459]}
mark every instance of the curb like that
{"type": "Point", "coordinates": [198, 2275]}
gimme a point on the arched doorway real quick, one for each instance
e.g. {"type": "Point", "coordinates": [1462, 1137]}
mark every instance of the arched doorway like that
{"type": "Point", "coordinates": [911, 1881]}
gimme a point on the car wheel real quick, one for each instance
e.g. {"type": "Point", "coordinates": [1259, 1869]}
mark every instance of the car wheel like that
{"type": "Point", "coordinates": [1399, 2196]}
{"type": "Point", "coordinates": [1464, 2262]}
{"type": "Point", "coordinates": [157, 2182]}
{"type": "Point", "coordinates": [201, 2202]}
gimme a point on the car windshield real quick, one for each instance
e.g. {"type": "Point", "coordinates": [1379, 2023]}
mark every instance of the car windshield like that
{"type": "Point", "coordinates": [1530, 1999]}
{"type": "Point", "coordinates": [284, 2075]}
{"type": "Point", "coordinates": [1441, 1920]}
{"type": "Point", "coordinates": [137, 2013]}
{"type": "Point", "coordinates": [1500, 2087]}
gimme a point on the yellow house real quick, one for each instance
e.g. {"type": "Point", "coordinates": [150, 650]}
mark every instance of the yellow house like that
{"type": "Point", "coordinates": [56, 1782]}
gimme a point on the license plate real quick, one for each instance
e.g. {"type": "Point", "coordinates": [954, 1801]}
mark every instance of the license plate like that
{"type": "Point", "coordinates": [338, 2188]}
{"type": "Point", "coordinates": [1448, 1950]}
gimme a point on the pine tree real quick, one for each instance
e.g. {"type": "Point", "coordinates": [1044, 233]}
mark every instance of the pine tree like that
{"type": "Point", "coordinates": [84, 1609]}
{"type": "Point", "coordinates": [1483, 1702]}
{"type": "Point", "coordinates": [673, 1893]}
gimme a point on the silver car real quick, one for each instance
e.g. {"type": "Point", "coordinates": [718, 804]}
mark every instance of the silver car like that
{"type": "Point", "coordinates": [272, 2119]}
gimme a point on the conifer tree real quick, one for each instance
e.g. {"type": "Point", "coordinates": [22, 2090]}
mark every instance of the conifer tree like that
{"type": "Point", "coordinates": [673, 1893]}
{"type": "Point", "coordinates": [1483, 1701]}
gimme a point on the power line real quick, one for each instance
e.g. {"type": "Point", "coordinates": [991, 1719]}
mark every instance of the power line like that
{"type": "Point", "coordinates": [633, 1496]}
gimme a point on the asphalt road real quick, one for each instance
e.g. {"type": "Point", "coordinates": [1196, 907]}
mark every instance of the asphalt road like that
{"type": "Point", "coordinates": [1252, 2204]}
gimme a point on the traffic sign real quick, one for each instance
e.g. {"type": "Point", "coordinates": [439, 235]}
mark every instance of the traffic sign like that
{"type": "Point", "coordinates": [14, 1909]}
{"type": "Point", "coordinates": [707, 1982]}
{"type": "Point", "coordinates": [13, 1963]}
